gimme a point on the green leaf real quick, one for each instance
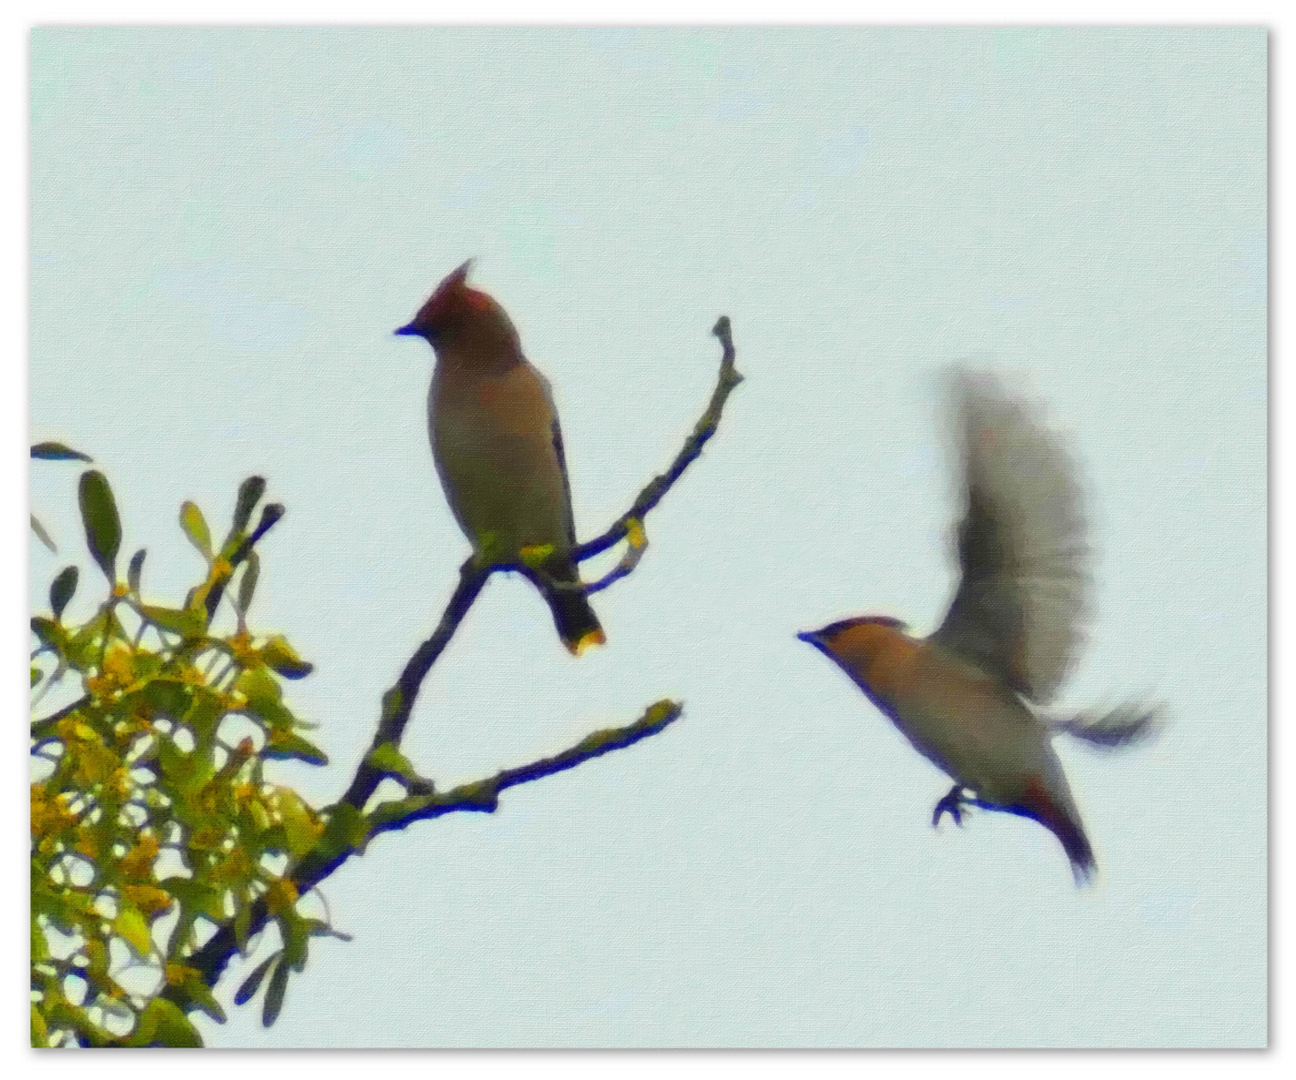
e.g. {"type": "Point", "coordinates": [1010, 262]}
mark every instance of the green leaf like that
{"type": "Point", "coordinates": [51, 636]}
{"type": "Point", "coordinates": [39, 943]}
{"type": "Point", "coordinates": [248, 582]}
{"type": "Point", "coordinates": [387, 759]}
{"type": "Point", "coordinates": [295, 932]}
{"type": "Point", "coordinates": [187, 622]}
{"type": "Point", "coordinates": [208, 709]}
{"type": "Point", "coordinates": [195, 527]}
{"type": "Point", "coordinates": [163, 1022]}
{"type": "Point", "coordinates": [146, 665]}
{"type": "Point", "coordinates": [62, 590]}
{"type": "Point", "coordinates": [42, 535]}
{"type": "Point", "coordinates": [35, 675]}
{"type": "Point", "coordinates": [283, 658]}
{"type": "Point", "coordinates": [282, 747]}
{"type": "Point", "coordinates": [319, 928]}
{"type": "Point", "coordinates": [195, 896]}
{"type": "Point", "coordinates": [84, 648]}
{"type": "Point", "coordinates": [346, 830]}
{"type": "Point", "coordinates": [180, 1034]}
{"type": "Point", "coordinates": [39, 1032]}
{"type": "Point", "coordinates": [102, 525]}
{"type": "Point", "coordinates": [264, 698]}
{"type": "Point", "coordinates": [170, 697]}
{"type": "Point", "coordinates": [274, 995]}
{"type": "Point", "coordinates": [247, 991]}
{"type": "Point", "coordinates": [131, 926]}
{"type": "Point", "coordinates": [259, 687]}
{"type": "Point", "coordinates": [200, 994]}
{"type": "Point", "coordinates": [249, 494]}
{"type": "Point", "coordinates": [177, 766]}
{"type": "Point", "coordinates": [133, 571]}
{"type": "Point", "coordinates": [147, 1024]}
{"type": "Point", "coordinates": [56, 451]}
{"type": "Point", "coordinates": [242, 926]}
{"type": "Point", "coordinates": [300, 829]}
{"type": "Point", "coordinates": [270, 514]}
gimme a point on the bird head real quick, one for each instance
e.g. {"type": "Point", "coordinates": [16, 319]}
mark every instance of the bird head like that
{"type": "Point", "coordinates": [856, 643]}
{"type": "Point", "coordinates": [456, 311]}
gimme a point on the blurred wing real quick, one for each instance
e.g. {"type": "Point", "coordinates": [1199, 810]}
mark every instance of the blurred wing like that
{"type": "Point", "coordinates": [1022, 601]}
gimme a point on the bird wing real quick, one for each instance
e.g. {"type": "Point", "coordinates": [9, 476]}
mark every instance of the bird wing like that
{"type": "Point", "coordinates": [569, 521]}
{"type": "Point", "coordinates": [1022, 600]}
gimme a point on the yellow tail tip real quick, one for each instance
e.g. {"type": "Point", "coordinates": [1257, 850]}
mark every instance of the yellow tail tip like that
{"type": "Point", "coordinates": [588, 641]}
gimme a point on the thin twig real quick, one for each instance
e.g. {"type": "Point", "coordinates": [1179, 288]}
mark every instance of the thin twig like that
{"type": "Point", "coordinates": [483, 795]}
{"type": "Point", "coordinates": [270, 513]}
{"type": "Point", "coordinates": [706, 426]}
{"type": "Point", "coordinates": [398, 702]}
{"type": "Point", "coordinates": [636, 548]}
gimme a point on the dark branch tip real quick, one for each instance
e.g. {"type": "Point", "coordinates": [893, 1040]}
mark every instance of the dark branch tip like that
{"type": "Point", "coordinates": [270, 514]}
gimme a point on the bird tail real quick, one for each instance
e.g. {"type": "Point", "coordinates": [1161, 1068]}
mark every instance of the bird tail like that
{"type": "Point", "coordinates": [1123, 726]}
{"type": "Point", "coordinates": [1063, 822]}
{"type": "Point", "coordinates": [1076, 846]}
{"type": "Point", "coordinates": [573, 617]}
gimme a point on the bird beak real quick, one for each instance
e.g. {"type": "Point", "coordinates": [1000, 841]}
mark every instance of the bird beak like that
{"type": "Point", "coordinates": [410, 330]}
{"type": "Point", "coordinates": [816, 638]}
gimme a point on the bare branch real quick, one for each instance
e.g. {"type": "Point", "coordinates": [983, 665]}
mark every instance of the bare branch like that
{"type": "Point", "coordinates": [483, 795]}
{"type": "Point", "coordinates": [398, 702]}
{"type": "Point", "coordinates": [636, 548]}
{"type": "Point", "coordinates": [706, 426]}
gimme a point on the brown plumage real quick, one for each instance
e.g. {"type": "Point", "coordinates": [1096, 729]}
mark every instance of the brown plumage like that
{"type": "Point", "coordinates": [967, 696]}
{"type": "Point", "coordinates": [498, 449]}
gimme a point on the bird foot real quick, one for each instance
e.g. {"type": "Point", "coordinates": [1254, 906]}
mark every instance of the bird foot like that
{"type": "Point", "coordinates": [951, 804]}
{"type": "Point", "coordinates": [535, 555]}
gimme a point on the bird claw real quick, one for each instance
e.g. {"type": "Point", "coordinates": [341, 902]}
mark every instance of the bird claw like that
{"type": "Point", "coordinates": [951, 804]}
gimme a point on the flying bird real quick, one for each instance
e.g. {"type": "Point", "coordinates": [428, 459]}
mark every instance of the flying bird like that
{"type": "Point", "coordinates": [971, 696]}
{"type": "Point", "coordinates": [498, 450]}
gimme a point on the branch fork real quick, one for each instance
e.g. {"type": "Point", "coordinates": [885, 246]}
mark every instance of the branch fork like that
{"type": "Point", "coordinates": [349, 827]}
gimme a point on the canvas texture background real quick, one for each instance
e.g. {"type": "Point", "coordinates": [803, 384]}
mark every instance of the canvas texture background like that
{"type": "Point", "coordinates": [227, 225]}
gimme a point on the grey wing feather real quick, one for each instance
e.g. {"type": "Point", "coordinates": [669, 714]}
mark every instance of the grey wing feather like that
{"type": "Point", "coordinates": [1022, 601]}
{"type": "Point", "coordinates": [1123, 726]}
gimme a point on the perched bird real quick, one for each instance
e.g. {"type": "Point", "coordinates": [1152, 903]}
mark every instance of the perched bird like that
{"type": "Point", "coordinates": [499, 452]}
{"type": "Point", "coordinates": [969, 697]}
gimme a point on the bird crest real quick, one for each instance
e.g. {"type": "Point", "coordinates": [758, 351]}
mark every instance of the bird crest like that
{"type": "Point", "coordinates": [443, 298]}
{"type": "Point", "coordinates": [447, 301]}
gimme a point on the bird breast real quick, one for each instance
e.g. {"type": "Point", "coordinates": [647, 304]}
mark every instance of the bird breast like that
{"type": "Point", "coordinates": [492, 440]}
{"type": "Point", "coordinates": [964, 722]}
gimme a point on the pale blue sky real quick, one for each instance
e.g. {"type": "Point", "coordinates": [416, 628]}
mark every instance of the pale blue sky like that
{"type": "Point", "coordinates": [226, 227]}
